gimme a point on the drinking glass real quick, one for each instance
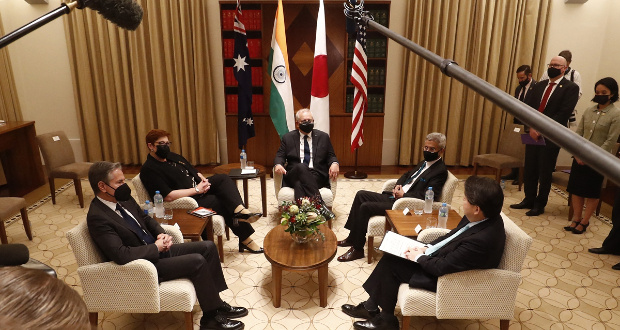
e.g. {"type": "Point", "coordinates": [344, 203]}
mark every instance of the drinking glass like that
{"type": "Point", "coordinates": [431, 222]}
{"type": "Point", "coordinates": [418, 209]}
{"type": "Point", "coordinates": [167, 216]}
{"type": "Point", "coordinates": [249, 165]}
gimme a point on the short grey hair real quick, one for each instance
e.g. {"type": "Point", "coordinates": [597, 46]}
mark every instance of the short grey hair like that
{"type": "Point", "coordinates": [437, 137]}
{"type": "Point", "coordinates": [101, 171]}
{"type": "Point", "coordinates": [300, 112]}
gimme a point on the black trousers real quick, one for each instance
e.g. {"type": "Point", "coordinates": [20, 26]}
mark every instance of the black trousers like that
{"type": "Point", "coordinates": [383, 283]}
{"type": "Point", "coordinates": [539, 165]}
{"type": "Point", "coordinates": [612, 242]}
{"type": "Point", "coordinates": [198, 262]}
{"type": "Point", "coordinates": [305, 181]}
{"type": "Point", "coordinates": [223, 197]}
{"type": "Point", "coordinates": [365, 205]}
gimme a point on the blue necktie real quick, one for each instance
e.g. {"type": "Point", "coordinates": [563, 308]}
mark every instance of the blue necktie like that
{"type": "Point", "coordinates": [415, 174]}
{"type": "Point", "coordinates": [146, 237]}
{"type": "Point", "coordinates": [439, 245]}
{"type": "Point", "coordinates": [306, 151]}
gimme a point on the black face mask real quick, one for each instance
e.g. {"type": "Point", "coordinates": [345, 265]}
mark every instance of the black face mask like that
{"type": "Point", "coordinates": [162, 151]}
{"type": "Point", "coordinates": [553, 72]}
{"type": "Point", "coordinates": [122, 193]}
{"type": "Point", "coordinates": [430, 156]}
{"type": "Point", "coordinates": [524, 83]}
{"type": "Point", "coordinates": [306, 127]}
{"type": "Point", "coordinates": [600, 99]}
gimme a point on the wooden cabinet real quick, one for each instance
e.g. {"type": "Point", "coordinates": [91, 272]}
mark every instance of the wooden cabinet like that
{"type": "Point", "coordinates": [300, 21]}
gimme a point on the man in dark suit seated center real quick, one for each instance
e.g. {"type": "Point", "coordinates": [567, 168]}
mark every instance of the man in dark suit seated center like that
{"type": "Point", "coordinates": [431, 172]}
{"type": "Point", "coordinates": [476, 243]}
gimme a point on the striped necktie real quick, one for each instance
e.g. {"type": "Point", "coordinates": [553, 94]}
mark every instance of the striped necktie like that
{"type": "Point", "coordinates": [439, 245]}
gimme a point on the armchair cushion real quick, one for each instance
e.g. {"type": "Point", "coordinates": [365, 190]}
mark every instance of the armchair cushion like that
{"type": "Point", "coordinates": [143, 196]}
{"type": "Point", "coordinates": [288, 194]}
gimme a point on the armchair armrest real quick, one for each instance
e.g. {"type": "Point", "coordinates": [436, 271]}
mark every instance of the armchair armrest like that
{"type": "Point", "coordinates": [277, 181]}
{"type": "Point", "coordinates": [389, 185]}
{"type": "Point", "coordinates": [182, 203]}
{"type": "Point", "coordinates": [177, 236]}
{"type": "Point", "coordinates": [486, 293]}
{"type": "Point", "coordinates": [130, 288]}
{"type": "Point", "coordinates": [431, 234]}
{"type": "Point", "coordinates": [409, 202]}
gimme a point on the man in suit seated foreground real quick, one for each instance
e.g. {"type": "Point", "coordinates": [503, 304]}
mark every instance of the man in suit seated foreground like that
{"type": "Point", "coordinates": [309, 158]}
{"type": "Point", "coordinates": [123, 232]}
{"type": "Point", "coordinates": [431, 172]}
{"type": "Point", "coordinates": [476, 243]}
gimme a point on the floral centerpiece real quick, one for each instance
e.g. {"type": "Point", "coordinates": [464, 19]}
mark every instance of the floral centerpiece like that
{"type": "Point", "coordinates": [302, 218]}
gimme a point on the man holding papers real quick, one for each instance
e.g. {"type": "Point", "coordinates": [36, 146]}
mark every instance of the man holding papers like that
{"type": "Point", "coordinates": [476, 243]}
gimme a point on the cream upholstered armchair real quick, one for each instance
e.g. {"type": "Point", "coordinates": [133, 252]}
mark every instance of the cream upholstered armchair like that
{"type": "Point", "coordinates": [219, 226]}
{"type": "Point", "coordinates": [288, 194]}
{"type": "Point", "coordinates": [472, 294]}
{"type": "Point", "coordinates": [140, 291]}
{"type": "Point", "coordinates": [376, 224]}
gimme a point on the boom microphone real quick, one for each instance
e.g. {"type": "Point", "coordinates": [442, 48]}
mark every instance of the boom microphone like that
{"type": "Point", "coordinates": [351, 26]}
{"type": "Point", "coordinates": [127, 14]}
{"type": "Point", "coordinates": [13, 254]}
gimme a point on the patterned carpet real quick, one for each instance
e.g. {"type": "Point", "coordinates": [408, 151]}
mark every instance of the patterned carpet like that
{"type": "Point", "coordinates": [563, 286]}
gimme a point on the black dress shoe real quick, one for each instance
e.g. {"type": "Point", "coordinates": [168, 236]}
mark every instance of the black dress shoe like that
{"type": "Point", "coordinates": [220, 322]}
{"type": "Point", "coordinates": [243, 247]}
{"type": "Point", "coordinates": [232, 312]}
{"type": "Point", "coordinates": [351, 255]}
{"type": "Point", "coordinates": [522, 205]}
{"type": "Point", "coordinates": [535, 211]}
{"type": "Point", "coordinates": [379, 322]}
{"type": "Point", "coordinates": [247, 217]}
{"type": "Point", "coordinates": [616, 266]}
{"type": "Point", "coordinates": [359, 311]}
{"type": "Point", "coordinates": [598, 250]}
{"type": "Point", "coordinates": [344, 243]}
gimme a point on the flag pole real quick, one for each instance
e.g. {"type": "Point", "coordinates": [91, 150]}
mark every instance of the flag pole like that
{"type": "Point", "coordinates": [355, 174]}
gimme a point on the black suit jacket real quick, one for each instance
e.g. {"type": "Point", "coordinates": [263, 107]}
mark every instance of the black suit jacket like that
{"type": "Point", "coordinates": [324, 155]}
{"type": "Point", "coordinates": [479, 247]}
{"type": "Point", "coordinates": [115, 238]}
{"type": "Point", "coordinates": [435, 177]}
{"type": "Point", "coordinates": [560, 104]}
{"type": "Point", "coordinates": [519, 88]}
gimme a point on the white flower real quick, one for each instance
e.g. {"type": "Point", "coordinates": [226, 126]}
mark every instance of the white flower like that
{"type": "Point", "coordinates": [293, 209]}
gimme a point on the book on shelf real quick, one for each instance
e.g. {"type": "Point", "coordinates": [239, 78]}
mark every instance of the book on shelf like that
{"type": "Point", "coordinates": [201, 212]}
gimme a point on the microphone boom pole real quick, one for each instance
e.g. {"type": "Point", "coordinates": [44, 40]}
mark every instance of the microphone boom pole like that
{"type": "Point", "coordinates": [64, 8]}
{"type": "Point", "coordinates": [593, 155]}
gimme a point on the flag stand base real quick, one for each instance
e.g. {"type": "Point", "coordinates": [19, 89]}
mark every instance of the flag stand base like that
{"type": "Point", "coordinates": [355, 175]}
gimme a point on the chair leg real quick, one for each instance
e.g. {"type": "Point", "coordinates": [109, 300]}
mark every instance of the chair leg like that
{"type": "Point", "coordinates": [78, 191]}
{"type": "Point", "coordinates": [26, 222]}
{"type": "Point", "coordinates": [227, 232]}
{"type": "Point", "coordinates": [598, 207]}
{"type": "Point", "coordinates": [52, 190]}
{"type": "Point", "coordinates": [329, 222]}
{"type": "Point", "coordinates": [371, 245]}
{"type": "Point", "coordinates": [93, 318]}
{"type": "Point", "coordinates": [503, 324]}
{"type": "Point", "coordinates": [571, 211]}
{"type": "Point", "coordinates": [475, 169]}
{"type": "Point", "coordinates": [498, 175]}
{"type": "Point", "coordinates": [189, 320]}
{"type": "Point", "coordinates": [3, 238]}
{"type": "Point", "coordinates": [406, 321]}
{"type": "Point", "coordinates": [220, 248]}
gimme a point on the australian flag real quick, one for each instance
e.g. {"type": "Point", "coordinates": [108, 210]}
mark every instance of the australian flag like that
{"type": "Point", "coordinates": [243, 74]}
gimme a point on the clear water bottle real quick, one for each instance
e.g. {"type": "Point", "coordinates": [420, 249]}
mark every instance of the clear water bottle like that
{"type": "Point", "coordinates": [148, 208]}
{"type": "Point", "coordinates": [243, 157]}
{"type": "Point", "coordinates": [503, 184]}
{"type": "Point", "coordinates": [158, 201]}
{"type": "Point", "coordinates": [443, 216]}
{"type": "Point", "coordinates": [428, 200]}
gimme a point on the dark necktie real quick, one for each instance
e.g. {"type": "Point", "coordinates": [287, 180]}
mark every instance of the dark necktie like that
{"type": "Point", "coordinates": [545, 98]}
{"type": "Point", "coordinates": [415, 175]}
{"type": "Point", "coordinates": [146, 237]}
{"type": "Point", "coordinates": [522, 95]}
{"type": "Point", "coordinates": [306, 151]}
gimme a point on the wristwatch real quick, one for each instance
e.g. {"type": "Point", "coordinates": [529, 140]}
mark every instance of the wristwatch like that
{"type": "Point", "coordinates": [197, 190]}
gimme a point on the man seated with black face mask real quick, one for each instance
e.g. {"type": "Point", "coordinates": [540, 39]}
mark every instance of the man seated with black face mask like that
{"type": "Point", "coordinates": [431, 172]}
{"type": "Point", "coordinates": [309, 158]}
{"type": "Point", "coordinates": [124, 233]}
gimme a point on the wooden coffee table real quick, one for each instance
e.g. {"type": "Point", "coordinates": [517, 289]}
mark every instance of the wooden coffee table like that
{"type": "Point", "coordinates": [225, 169]}
{"type": "Point", "coordinates": [285, 254]}
{"type": "Point", "coordinates": [192, 226]}
{"type": "Point", "coordinates": [405, 224]}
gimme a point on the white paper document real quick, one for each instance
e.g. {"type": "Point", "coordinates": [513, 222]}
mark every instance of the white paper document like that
{"type": "Point", "coordinates": [396, 244]}
{"type": "Point", "coordinates": [248, 171]}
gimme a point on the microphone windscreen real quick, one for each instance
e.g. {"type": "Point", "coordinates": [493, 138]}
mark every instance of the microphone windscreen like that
{"type": "Point", "coordinates": [124, 13]}
{"type": "Point", "coordinates": [13, 254]}
{"type": "Point", "coordinates": [351, 26]}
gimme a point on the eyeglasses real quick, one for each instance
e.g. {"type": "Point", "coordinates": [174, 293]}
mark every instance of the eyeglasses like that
{"type": "Point", "coordinates": [162, 143]}
{"type": "Point", "coordinates": [557, 66]}
{"type": "Point", "coordinates": [431, 149]}
{"type": "Point", "coordinates": [307, 122]}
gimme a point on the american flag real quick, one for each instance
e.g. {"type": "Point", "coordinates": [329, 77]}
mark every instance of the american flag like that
{"type": "Point", "coordinates": [243, 74]}
{"type": "Point", "coordinates": [360, 96]}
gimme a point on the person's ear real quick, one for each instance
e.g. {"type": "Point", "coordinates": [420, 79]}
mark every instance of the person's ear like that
{"type": "Point", "coordinates": [101, 186]}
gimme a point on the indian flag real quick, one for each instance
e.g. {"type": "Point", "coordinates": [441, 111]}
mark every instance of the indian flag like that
{"type": "Point", "coordinates": [281, 99]}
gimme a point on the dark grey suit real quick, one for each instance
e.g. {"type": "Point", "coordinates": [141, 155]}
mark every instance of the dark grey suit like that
{"type": "Point", "coordinates": [479, 247]}
{"type": "Point", "coordinates": [196, 261]}
{"type": "Point", "coordinates": [306, 181]}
